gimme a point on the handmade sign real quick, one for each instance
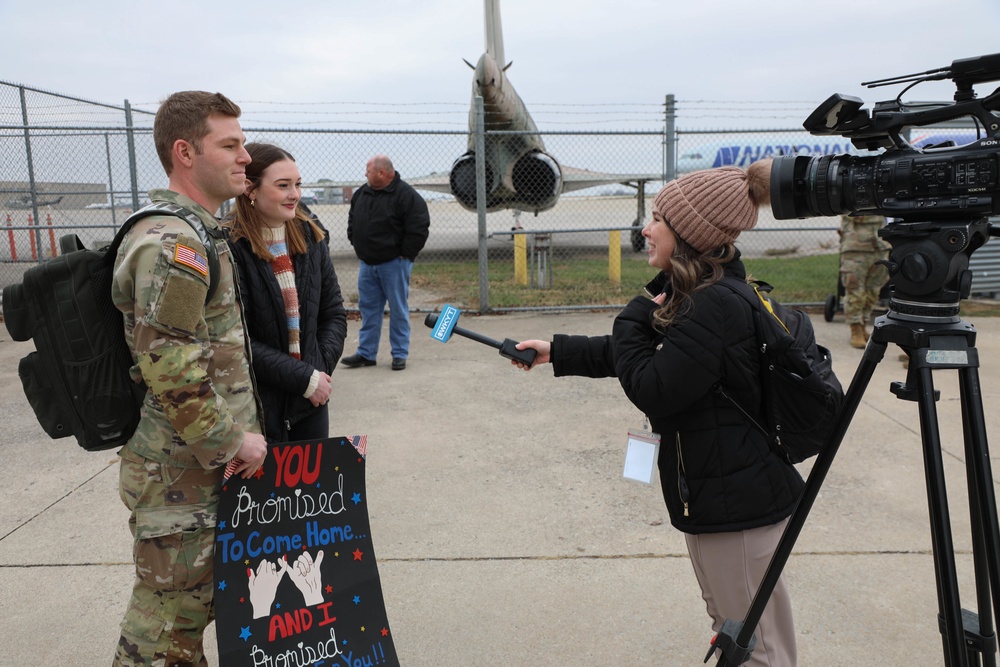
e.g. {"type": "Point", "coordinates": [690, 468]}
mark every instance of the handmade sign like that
{"type": "Point", "coordinates": [296, 582]}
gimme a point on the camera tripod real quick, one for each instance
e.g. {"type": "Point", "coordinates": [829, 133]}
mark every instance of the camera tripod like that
{"type": "Point", "coordinates": [969, 638]}
{"type": "Point", "coordinates": [929, 266]}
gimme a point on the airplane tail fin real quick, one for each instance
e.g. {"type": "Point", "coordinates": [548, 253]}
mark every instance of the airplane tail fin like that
{"type": "Point", "coordinates": [494, 32]}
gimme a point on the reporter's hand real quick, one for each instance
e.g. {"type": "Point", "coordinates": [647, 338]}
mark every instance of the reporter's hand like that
{"type": "Point", "coordinates": [542, 347]}
{"type": "Point", "coordinates": [323, 390]}
{"type": "Point", "coordinates": [251, 455]}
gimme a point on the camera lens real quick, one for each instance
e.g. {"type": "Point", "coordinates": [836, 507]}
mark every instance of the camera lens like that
{"type": "Point", "coordinates": [803, 186]}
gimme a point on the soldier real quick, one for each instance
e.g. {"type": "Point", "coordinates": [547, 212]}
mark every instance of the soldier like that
{"type": "Point", "coordinates": [200, 409]}
{"type": "Point", "coordinates": [860, 249]}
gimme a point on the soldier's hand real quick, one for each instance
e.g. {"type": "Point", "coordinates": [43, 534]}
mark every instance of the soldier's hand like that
{"type": "Point", "coordinates": [252, 453]}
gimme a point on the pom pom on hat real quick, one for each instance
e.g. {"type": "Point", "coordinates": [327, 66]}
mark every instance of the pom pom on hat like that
{"type": "Point", "coordinates": [710, 208]}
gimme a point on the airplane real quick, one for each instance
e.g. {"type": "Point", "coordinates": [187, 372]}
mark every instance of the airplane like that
{"type": "Point", "coordinates": [520, 174]}
{"type": "Point", "coordinates": [24, 201]}
{"type": "Point", "coordinates": [743, 150]}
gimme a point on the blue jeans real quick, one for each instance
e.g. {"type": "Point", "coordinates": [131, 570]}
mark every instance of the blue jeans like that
{"type": "Point", "coordinates": [378, 284]}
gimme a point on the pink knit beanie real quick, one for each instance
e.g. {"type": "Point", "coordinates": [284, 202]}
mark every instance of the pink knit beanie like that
{"type": "Point", "coordinates": [710, 208]}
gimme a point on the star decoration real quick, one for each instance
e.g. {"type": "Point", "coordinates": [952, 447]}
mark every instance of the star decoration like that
{"type": "Point", "coordinates": [357, 554]}
{"type": "Point", "coordinates": [245, 633]}
{"type": "Point", "coordinates": [222, 525]}
{"type": "Point", "coordinates": [385, 632]}
{"type": "Point", "coordinates": [259, 474]}
{"type": "Point", "coordinates": [356, 498]}
{"type": "Point", "coordinates": [362, 628]}
{"type": "Point", "coordinates": [357, 599]}
{"type": "Point", "coordinates": [222, 585]}
{"type": "Point", "coordinates": [329, 588]}
{"type": "Point", "coordinates": [243, 600]}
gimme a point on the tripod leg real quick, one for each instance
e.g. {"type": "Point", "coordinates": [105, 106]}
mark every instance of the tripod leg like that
{"type": "Point", "coordinates": [983, 512]}
{"type": "Point", "coordinates": [852, 399]}
{"type": "Point", "coordinates": [949, 606]}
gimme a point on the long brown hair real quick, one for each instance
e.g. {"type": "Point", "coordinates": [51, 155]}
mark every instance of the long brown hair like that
{"type": "Point", "coordinates": [690, 271]}
{"type": "Point", "coordinates": [246, 222]}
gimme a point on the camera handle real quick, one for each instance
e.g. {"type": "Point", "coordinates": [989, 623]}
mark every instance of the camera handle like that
{"type": "Point", "coordinates": [969, 639]}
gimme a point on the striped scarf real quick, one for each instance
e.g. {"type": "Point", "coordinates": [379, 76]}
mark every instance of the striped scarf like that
{"type": "Point", "coordinates": [285, 274]}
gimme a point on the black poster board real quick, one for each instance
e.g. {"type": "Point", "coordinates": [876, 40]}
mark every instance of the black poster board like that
{"type": "Point", "coordinates": [296, 582]}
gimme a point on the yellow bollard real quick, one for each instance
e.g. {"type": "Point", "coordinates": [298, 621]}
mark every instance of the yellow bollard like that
{"type": "Point", "coordinates": [615, 257]}
{"type": "Point", "coordinates": [521, 259]}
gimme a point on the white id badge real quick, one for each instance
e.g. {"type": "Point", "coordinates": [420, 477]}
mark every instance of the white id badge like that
{"type": "Point", "coordinates": [641, 456]}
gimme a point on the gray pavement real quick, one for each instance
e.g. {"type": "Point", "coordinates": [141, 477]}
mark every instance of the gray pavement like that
{"type": "Point", "coordinates": [504, 531]}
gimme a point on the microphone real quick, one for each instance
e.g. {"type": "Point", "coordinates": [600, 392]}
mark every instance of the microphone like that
{"type": "Point", "coordinates": [443, 325]}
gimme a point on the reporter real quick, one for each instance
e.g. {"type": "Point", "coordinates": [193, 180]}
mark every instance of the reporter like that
{"type": "Point", "coordinates": [723, 486]}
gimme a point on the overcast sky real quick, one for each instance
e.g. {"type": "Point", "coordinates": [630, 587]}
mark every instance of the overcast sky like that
{"type": "Point", "coordinates": [574, 61]}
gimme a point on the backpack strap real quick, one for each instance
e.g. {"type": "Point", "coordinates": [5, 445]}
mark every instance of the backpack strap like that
{"type": "Point", "coordinates": [752, 295]}
{"type": "Point", "coordinates": [205, 235]}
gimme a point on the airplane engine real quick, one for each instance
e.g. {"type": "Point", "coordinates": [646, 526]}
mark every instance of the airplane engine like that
{"type": "Point", "coordinates": [463, 181]}
{"type": "Point", "coordinates": [537, 180]}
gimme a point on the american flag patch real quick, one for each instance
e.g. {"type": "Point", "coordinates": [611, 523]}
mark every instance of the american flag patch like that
{"type": "Point", "coordinates": [190, 257]}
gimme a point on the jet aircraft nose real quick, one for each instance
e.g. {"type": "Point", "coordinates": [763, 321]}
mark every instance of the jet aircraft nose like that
{"type": "Point", "coordinates": [487, 75]}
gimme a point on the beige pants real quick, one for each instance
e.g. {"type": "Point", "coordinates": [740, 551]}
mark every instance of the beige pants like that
{"type": "Point", "coordinates": [730, 567]}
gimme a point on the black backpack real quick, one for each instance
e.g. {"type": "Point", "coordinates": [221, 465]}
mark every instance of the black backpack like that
{"type": "Point", "coordinates": [77, 381]}
{"type": "Point", "coordinates": [801, 395]}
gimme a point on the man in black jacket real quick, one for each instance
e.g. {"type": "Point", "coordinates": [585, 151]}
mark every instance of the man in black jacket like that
{"type": "Point", "coordinates": [387, 225]}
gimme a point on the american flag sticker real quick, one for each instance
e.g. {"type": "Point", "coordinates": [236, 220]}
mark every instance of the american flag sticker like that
{"type": "Point", "coordinates": [188, 256]}
{"type": "Point", "coordinates": [360, 443]}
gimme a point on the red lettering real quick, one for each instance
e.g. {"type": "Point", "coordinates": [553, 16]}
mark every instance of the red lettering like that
{"type": "Point", "coordinates": [290, 623]}
{"type": "Point", "coordinates": [292, 477]}
{"type": "Point", "coordinates": [310, 476]}
{"type": "Point", "coordinates": [327, 619]}
{"type": "Point", "coordinates": [279, 458]}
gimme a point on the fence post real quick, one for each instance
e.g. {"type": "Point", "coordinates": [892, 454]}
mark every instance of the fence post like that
{"type": "Point", "coordinates": [133, 176]}
{"type": "Point", "coordinates": [484, 260]}
{"type": "Point", "coordinates": [31, 173]}
{"type": "Point", "coordinates": [669, 139]}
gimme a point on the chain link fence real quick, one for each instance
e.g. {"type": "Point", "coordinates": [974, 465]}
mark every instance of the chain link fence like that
{"type": "Point", "coordinates": [72, 166]}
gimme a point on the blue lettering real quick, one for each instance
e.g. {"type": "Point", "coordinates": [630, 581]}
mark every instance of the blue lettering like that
{"type": "Point", "coordinates": [316, 536]}
{"type": "Point", "coordinates": [225, 539]}
{"type": "Point", "coordinates": [251, 549]}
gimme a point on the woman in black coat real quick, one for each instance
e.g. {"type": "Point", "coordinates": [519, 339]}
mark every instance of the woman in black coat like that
{"type": "Point", "coordinates": [292, 303]}
{"type": "Point", "coordinates": [722, 485]}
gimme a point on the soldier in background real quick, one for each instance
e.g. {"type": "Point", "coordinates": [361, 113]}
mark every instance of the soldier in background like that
{"type": "Point", "coordinates": [862, 278]}
{"type": "Point", "coordinates": [200, 410]}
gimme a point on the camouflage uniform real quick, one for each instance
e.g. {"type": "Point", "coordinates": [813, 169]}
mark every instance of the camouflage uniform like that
{"type": "Point", "coordinates": [200, 402]}
{"type": "Point", "coordinates": [860, 248]}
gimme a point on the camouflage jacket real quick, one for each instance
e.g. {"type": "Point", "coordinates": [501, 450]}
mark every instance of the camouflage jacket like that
{"type": "Point", "coordinates": [191, 354]}
{"type": "Point", "coordinates": [860, 234]}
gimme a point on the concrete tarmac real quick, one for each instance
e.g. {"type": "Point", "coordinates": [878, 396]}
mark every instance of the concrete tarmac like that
{"type": "Point", "coordinates": [504, 531]}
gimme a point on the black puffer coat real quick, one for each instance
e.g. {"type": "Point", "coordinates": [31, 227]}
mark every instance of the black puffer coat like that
{"type": "Point", "coordinates": [282, 379]}
{"type": "Point", "coordinates": [717, 472]}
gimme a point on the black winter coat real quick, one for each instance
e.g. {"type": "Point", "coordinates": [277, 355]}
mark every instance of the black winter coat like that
{"type": "Point", "coordinates": [282, 379]}
{"type": "Point", "coordinates": [385, 224]}
{"type": "Point", "coordinates": [717, 472]}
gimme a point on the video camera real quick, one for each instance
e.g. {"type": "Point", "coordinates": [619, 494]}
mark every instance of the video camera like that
{"type": "Point", "coordinates": [938, 197]}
